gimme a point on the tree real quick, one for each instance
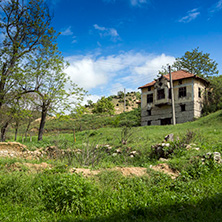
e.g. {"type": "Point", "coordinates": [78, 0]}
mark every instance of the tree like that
{"type": "Point", "coordinates": [104, 105]}
{"type": "Point", "coordinates": [50, 83]}
{"type": "Point", "coordinates": [25, 27]}
{"type": "Point", "coordinates": [213, 100]}
{"type": "Point", "coordinates": [195, 62]}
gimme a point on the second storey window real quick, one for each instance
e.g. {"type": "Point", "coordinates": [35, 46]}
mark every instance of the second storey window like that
{"type": "Point", "coordinates": [199, 92]}
{"type": "Point", "coordinates": [160, 94]}
{"type": "Point", "coordinates": [150, 98]}
{"type": "Point", "coordinates": [182, 92]}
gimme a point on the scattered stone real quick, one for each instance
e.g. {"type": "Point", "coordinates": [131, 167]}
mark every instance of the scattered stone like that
{"type": "Point", "coordinates": [196, 148]}
{"type": "Point", "coordinates": [217, 157]}
{"type": "Point", "coordinates": [163, 159]}
{"type": "Point", "coordinates": [188, 146]}
{"type": "Point", "coordinates": [159, 150]}
{"type": "Point", "coordinates": [118, 151]}
{"type": "Point", "coordinates": [169, 137]}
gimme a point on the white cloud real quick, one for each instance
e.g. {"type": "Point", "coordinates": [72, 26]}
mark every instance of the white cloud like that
{"type": "Point", "coordinates": [103, 32]}
{"type": "Point", "coordinates": [99, 27]}
{"type": "Point", "coordinates": [137, 2]}
{"type": "Point", "coordinates": [74, 39]}
{"type": "Point", "coordinates": [106, 75]}
{"type": "Point", "coordinates": [191, 15]}
{"type": "Point", "coordinates": [153, 65]}
{"type": "Point", "coordinates": [94, 98]}
{"type": "Point", "coordinates": [132, 2]}
{"type": "Point", "coordinates": [216, 7]}
{"type": "Point", "coordinates": [67, 31]}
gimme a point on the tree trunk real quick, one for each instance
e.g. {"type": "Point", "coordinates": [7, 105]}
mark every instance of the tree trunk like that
{"type": "Point", "coordinates": [16, 130]}
{"type": "Point", "coordinates": [27, 129]}
{"type": "Point", "coordinates": [3, 131]}
{"type": "Point", "coordinates": [42, 123]}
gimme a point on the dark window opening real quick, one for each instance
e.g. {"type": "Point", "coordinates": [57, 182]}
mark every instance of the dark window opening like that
{"type": "Point", "coordinates": [182, 92]}
{"type": "Point", "coordinates": [169, 93]}
{"type": "Point", "coordinates": [149, 98]}
{"type": "Point", "coordinates": [149, 112]}
{"type": "Point", "coordinates": [160, 94]}
{"type": "Point", "coordinates": [199, 92]}
{"type": "Point", "coordinates": [149, 88]}
{"type": "Point", "coordinates": [166, 121]}
{"type": "Point", "coordinates": [183, 107]}
{"type": "Point", "coordinates": [180, 82]}
{"type": "Point", "coordinates": [149, 123]}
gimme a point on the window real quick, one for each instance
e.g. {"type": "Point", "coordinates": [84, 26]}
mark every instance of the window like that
{"type": "Point", "coordinates": [183, 107]}
{"type": "Point", "coordinates": [180, 82]}
{"type": "Point", "coordinates": [182, 92]}
{"type": "Point", "coordinates": [199, 92]}
{"type": "Point", "coordinates": [149, 123]}
{"type": "Point", "coordinates": [149, 88]}
{"type": "Point", "coordinates": [160, 94]}
{"type": "Point", "coordinates": [150, 98]}
{"type": "Point", "coordinates": [169, 93]}
{"type": "Point", "coordinates": [149, 112]}
{"type": "Point", "coordinates": [166, 121]}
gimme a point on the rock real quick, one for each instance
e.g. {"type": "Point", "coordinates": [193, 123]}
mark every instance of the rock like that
{"type": "Point", "coordinates": [169, 137]}
{"type": "Point", "coordinates": [132, 153]}
{"type": "Point", "coordinates": [165, 145]}
{"type": "Point", "coordinates": [196, 148]}
{"type": "Point", "coordinates": [188, 146]}
{"type": "Point", "coordinates": [217, 157]}
{"type": "Point", "coordinates": [119, 151]}
{"type": "Point", "coordinates": [163, 160]}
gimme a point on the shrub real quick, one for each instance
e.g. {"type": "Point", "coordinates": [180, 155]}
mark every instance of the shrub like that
{"type": "Point", "coordinates": [66, 193]}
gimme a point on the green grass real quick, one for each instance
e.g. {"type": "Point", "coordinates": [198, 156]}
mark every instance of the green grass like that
{"type": "Point", "coordinates": [56, 195]}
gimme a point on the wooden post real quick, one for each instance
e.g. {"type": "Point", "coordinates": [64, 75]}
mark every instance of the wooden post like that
{"type": "Point", "coordinates": [172, 98]}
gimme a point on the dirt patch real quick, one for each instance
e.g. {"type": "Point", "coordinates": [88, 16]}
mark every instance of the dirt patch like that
{"type": "Point", "coordinates": [132, 171]}
{"type": "Point", "coordinates": [12, 146]}
{"type": "Point", "coordinates": [164, 168]}
{"type": "Point", "coordinates": [85, 172]}
{"type": "Point", "coordinates": [30, 167]}
{"type": "Point", "coordinates": [126, 171]}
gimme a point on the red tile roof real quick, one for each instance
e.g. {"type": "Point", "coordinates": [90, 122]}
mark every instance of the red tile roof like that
{"type": "Point", "coordinates": [181, 74]}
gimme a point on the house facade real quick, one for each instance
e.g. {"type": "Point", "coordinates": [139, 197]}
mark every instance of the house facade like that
{"type": "Point", "coordinates": [156, 102]}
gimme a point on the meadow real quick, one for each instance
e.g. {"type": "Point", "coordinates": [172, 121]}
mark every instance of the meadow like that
{"type": "Point", "coordinates": [57, 194]}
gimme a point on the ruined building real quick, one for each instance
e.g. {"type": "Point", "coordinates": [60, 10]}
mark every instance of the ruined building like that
{"type": "Point", "coordinates": [156, 104]}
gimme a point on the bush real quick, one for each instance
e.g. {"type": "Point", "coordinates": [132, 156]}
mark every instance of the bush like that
{"type": "Point", "coordinates": [66, 193]}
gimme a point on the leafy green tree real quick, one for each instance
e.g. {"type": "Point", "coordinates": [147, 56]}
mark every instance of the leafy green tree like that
{"type": "Point", "coordinates": [104, 105]}
{"type": "Point", "coordinates": [56, 92]}
{"type": "Point", "coordinates": [120, 94]}
{"type": "Point", "coordinates": [25, 26]}
{"type": "Point", "coordinates": [195, 62]}
{"type": "Point", "coordinates": [213, 100]}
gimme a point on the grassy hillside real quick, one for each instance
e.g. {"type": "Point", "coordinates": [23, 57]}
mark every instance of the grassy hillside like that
{"type": "Point", "coordinates": [56, 194]}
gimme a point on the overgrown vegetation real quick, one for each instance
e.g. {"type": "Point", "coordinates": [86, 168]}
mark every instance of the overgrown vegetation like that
{"type": "Point", "coordinates": [60, 194]}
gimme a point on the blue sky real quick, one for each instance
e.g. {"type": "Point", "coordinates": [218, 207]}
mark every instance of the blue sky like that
{"type": "Point", "coordinates": [117, 44]}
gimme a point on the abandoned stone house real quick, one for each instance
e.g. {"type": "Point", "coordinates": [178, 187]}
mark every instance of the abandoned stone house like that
{"type": "Point", "coordinates": [156, 104]}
